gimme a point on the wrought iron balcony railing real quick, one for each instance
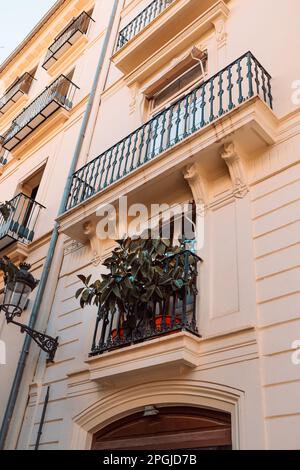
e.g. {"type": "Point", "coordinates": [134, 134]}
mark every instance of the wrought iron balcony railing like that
{"type": "Point", "coordinates": [59, 94]}
{"type": "Point", "coordinates": [67, 38]}
{"type": "Point", "coordinates": [115, 329]}
{"type": "Point", "coordinates": [141, 21]}
{"type": "Point", "coordinates": [21, 222]}
{"type": "Point", "coordinates": [212, 99]}
{"type": "Point", "coordinates": [19, 88]}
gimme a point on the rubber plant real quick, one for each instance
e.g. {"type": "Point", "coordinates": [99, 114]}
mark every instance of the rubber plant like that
{"type": "Point", "coordinates": [141, 273]}
{"type": "Point", "coordinates": [5, 210]}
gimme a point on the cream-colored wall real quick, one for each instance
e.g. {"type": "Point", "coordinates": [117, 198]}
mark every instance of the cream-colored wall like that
{"type": "Point", "coordinates": [55, 150]}
{"type": "Point", "coordinates": [276, 234]}
{"type": "Point", "coordinates": [248, 307]}
{"type": "Point", "coordinates": [250, 26]}
{"type": "Point", "coordinates": [57, 147]}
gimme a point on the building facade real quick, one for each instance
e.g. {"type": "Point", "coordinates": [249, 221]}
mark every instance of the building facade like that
{"type": "Point", "coordinates": [192, 100]}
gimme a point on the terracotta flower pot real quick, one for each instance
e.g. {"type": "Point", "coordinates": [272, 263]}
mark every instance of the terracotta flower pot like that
{"type": "Point", "coordinates": [114, 333]}
{"type": "Point", "coordinates": [158, 323]}
{"type": "Point", "coordinates": [168, 321]}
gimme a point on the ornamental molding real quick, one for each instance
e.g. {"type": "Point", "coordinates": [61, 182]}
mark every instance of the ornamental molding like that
{"type": "Point", "coordinates": [135, 397]}
{"type": "Point", "coordinates": [221, 33]}
{"type": "Point", "coordinates": [73, 247]}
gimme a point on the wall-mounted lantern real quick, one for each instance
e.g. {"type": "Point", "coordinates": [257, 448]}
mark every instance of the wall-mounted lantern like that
{"type": "Point", "coordinates": [19, 283]}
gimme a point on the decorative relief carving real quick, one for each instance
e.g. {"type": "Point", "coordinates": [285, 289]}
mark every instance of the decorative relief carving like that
{"type": "Point", "coordinates": [72, 247]}
{"type": "Point", "coordinates": [236, 170]}
{"type": "Point", "coordinates": [89, 230]}
{"type": "Point", "coordinates": [221, 34]}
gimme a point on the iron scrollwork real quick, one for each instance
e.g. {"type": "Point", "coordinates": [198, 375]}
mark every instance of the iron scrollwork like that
{"type": "Point", "coordinates": [45, 342]}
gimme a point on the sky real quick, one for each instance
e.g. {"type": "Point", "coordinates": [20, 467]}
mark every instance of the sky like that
{"type": "Point", "coordinates": [18, 18]}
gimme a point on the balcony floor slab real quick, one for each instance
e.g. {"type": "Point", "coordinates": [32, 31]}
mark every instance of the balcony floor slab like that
{"type": "Point", "coordinates": [173, 350]}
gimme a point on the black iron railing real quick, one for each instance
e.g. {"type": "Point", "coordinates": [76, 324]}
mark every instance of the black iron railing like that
{"type": "Point", "coordinates": [141, 21]}
{"type": "Point", "coordinates": [12, 94]}
{"type": "Point", "coordinates": [59, 94]}
{"type": "Point", "coordinates": [68, 36]}
{"type": "Point", "coordinates": [140, 323]}
{"type": "Point", "coordinates": [22, 219]}
{"type": "Point", "coordinates": [225, 91]}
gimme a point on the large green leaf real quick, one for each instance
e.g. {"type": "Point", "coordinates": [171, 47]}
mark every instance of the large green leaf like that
{"type": "Point", "coordinates": [139, 271]}
{"type": "Point", "coordinates": [79, 292]}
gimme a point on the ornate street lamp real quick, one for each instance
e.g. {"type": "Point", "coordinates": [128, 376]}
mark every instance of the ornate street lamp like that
{"type": "Point", "coordinates": [19, 283]}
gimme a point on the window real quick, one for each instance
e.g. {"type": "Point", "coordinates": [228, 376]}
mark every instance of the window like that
{"type": "Point", "coordinates": [31, 185]}
{"type": "Point", "coordinates": [62, 89]}
{"type": "Point", "coordinates": [80, 22]}
{"type": "Point", "coordinates": [178, 86]}
{"type": "Point", "coordinates": [174, 223]}
{"type": "Point", "coordinates": [30, 188]}
{"type": "Point", "coordinates": [178, 81]}
{"type": "Point", "coordinates": [19, 86]}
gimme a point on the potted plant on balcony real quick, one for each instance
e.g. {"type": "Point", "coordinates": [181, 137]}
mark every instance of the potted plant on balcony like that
{"type": "Point", "coordinates": [143, 275]}
{"type": "Point", "coordinates": [5, 210]}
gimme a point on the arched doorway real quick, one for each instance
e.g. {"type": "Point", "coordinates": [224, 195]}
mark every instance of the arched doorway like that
{"type": "Point", "coordinates": [172, 428]}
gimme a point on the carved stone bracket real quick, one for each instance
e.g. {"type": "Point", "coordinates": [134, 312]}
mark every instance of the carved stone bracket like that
{"type": "Point", "coordinates": [197, 183]}
{"type": "Point", "coordinates": [236, 170]}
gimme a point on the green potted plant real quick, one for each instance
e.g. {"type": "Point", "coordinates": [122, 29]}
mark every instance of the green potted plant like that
{"type": "Point", "coordinates": [142, 274]}
{"type": "Point", "coordinates": [5, 210]}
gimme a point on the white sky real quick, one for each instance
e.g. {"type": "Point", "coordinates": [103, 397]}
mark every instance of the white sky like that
{"type": "Point", "coordinates": [18, 18]}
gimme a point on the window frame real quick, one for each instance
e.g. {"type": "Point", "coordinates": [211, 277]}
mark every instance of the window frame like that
{"type": "Point", "coordinates": [155, 110]}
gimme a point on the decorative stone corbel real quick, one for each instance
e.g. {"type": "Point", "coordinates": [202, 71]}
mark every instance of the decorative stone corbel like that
{"type": "Point", "coordinates": [197, 183]}
{"type": "Point", "coordinates": [89, 230]}
{"type": "Point", "coordinates": [199, 187]}
{"type": "Point", "coordinates": [236, 170]}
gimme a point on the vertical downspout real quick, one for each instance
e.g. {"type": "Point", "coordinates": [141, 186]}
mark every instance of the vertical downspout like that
{"type": "Point", "coordinates": [40, 431]}
{"type": "Point", "coordinates": [53, 241]}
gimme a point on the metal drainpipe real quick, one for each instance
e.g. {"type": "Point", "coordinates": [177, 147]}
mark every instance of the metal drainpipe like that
{"type": "Point", "coordinates": [42, 422]}
{"type": "Point", "coordinates": [53, 241]}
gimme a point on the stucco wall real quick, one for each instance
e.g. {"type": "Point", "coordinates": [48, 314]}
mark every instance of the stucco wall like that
{"type": "Point", "coordinates": [248, 307]}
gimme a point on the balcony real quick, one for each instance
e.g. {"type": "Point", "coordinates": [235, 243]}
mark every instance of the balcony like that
{"type": "Point", "coordinates": [152, 335]}
{"type": "Point", "coordinates": [229, 91]}
{"type": "Point", "coordinates": [141, 21]}
{"type": "Point", "coordinates": [20, 88]}
{"type": "Point", "coordinates": [67, 38]}
{"type": "Point", "coordinates": [59, 94]}
{"type": "Point", "coordinates": [21, 222]}
{"type": "Point", "coordinates": [162, 31]}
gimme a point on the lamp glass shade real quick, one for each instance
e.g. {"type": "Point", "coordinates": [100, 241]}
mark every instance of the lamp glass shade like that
{"type": "Point", "coordinates": [15, 296]}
